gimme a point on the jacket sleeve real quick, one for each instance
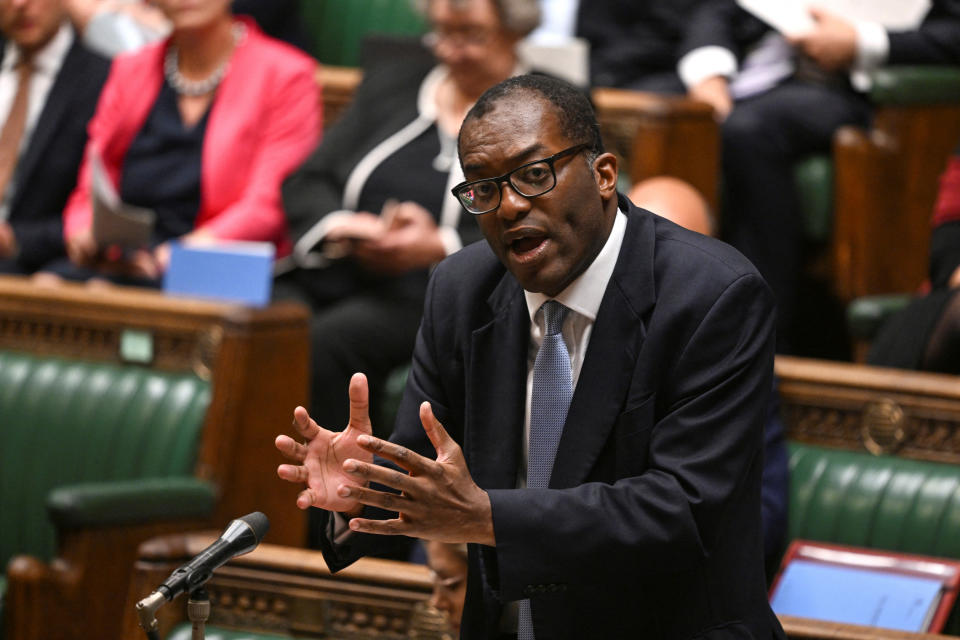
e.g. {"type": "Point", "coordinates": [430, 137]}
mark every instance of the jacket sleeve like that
{"type": "Point", "coordinates": [291, 125]}
{"type": "Point", "coordinates": [935, 41]}
{"type": "Point", "coordinates": [78, 214]}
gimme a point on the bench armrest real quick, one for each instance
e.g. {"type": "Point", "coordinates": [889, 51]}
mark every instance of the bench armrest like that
{"type": "Point", "coordinates": [903, 85]}
{"type": "Point", "coordinates": [130, 502]}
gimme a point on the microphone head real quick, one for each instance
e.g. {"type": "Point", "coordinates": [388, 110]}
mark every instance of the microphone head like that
{"type": "Point", "coordinates": [258, 523]}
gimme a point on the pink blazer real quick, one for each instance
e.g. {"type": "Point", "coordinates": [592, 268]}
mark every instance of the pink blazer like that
{"type": "Point", "coordinates": [264, 121]}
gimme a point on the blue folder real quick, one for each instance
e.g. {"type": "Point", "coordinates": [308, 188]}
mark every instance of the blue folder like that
{"type": "Point", "coordinates": [231, 271]}
{"type": "Point", "coordinates": [857, 596]}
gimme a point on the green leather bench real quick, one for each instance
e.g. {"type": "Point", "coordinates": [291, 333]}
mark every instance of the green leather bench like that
{"type": "Point", "coordinates": [88, 444]}
{"type": "Point", "coordinates": [124, 415]}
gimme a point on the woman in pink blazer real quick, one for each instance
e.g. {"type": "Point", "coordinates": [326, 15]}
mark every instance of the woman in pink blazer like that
{"type": "Point", "coordinates": [203, 128]}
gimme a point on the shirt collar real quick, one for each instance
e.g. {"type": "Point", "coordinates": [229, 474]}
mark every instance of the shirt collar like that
{"type": "Point", "coordinates": [584, 294]}
{"type": "Point", "coordinates": [49, 59]}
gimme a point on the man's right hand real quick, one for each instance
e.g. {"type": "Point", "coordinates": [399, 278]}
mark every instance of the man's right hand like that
{"type": "Point", "coordinates": [715, 91]}
{"type": "Point", "coordinates": [320, 459]}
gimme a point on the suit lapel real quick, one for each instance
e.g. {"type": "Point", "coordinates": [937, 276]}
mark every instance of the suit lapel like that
{"type": "Point", "coordinates": [59, 101]}
{"type": "Point", "coordinates": [615, 341]}
{"type": "Point", "coordinates": [496, 389]}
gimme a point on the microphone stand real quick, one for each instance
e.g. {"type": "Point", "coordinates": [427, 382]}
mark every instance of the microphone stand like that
{"type": "Point", "coordinates": [198, 610]}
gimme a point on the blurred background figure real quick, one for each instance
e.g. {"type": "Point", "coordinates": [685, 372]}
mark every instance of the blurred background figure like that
{"type": "Point", "coordinates": [926, 334]}
{"type": "Point", "coordinates": [781, 97]}
{"type": "Point", "coordinates": [675, 200]}
{"type": "Point", "coordinates": [110, 27]}
{"type": "Point", "coordinates": [371, 209]}
{"type": "Point", "coordinates": [49, 85]}
{"type": "Point", "coordinates": [202, 128]}
{"type": "Point", "coordinates": [448, 564]}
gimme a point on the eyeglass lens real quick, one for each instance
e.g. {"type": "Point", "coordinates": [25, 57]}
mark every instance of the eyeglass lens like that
{"type": "Point", "coordinates": [531, 180]}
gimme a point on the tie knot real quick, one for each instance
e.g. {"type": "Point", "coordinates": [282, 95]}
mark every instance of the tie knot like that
{"type": "Point", "coordinates": [553, 315]}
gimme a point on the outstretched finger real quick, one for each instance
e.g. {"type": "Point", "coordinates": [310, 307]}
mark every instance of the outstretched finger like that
{"type": "Point", "coordinates": [303, 423]}
{"type": "Point", "coordinates": [293, 472]}
{"type": "Point", "coordinates": [306, 498]}
{"type": "Point", "coordinates": [290, 448]}
{"type": "Point", "coordinates": [359, 404]}
{"type": "Point", "coordinates": [395, 527]}
{"type": "Point", "coordinates": [441, 440]}
{"type": "Point", "coordinates": [409, 460]}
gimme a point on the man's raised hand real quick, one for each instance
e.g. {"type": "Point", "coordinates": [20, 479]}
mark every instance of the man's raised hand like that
{"type": "Point", "coordinates": [319, 461]}
{"type": "Point", "coordinates": [438, 500]}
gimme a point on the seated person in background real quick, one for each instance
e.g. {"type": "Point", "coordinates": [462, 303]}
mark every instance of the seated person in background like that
{"type": "Point", "coordinates": [781, 98]}
{"type": "Point", "coordinates": [448, 564]}
{"type": "Point", "coordinates": [371, 210]}
{"type": "Point", "coordinates": [110, 27]}
{"type": "Point", "coordinates": [49, 85]}
{"type": "Point", "coordinates": [634, 44]}
{"type": "Point", "coordinates": [202, 128]}
{"type": "Point", "coordinates": [926, 335]}
{"type": "Point", "coordinates": [680, 202]}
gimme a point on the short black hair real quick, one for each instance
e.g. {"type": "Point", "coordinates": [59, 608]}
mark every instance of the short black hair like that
{"type": "Point", "coordinates": [578, 121]}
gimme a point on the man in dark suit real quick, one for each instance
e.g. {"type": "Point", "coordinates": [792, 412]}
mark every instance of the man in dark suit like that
{"type": "Point", "coordinates": [45, 144]}
{"type": "Point", "coordinates": [643, 516]}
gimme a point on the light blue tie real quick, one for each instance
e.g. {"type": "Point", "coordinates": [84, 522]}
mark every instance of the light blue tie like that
{"type": "Point", "coordinates": [552, 390]}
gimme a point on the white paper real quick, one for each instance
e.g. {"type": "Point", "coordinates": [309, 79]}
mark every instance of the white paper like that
{"type": "Point", "coordinates": [116, 223]}
{"type": "Point", "coordinates": [792, 17]}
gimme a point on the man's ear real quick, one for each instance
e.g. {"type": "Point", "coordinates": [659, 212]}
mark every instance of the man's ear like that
{"type": "Point", "coordinates": [605, 173]}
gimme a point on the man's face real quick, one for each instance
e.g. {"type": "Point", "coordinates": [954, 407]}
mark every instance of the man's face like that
{"type": "Point", "coordinates": [549, 240]}
{"type": "Point", "coordinates": [30, 24]}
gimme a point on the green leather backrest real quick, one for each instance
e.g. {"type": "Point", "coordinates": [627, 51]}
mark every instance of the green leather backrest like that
{"type": "Point", "coordinates": [64, 422]}
{"type": "Point", "coordinates": [881, 502]}
{"type": "Point", "coordinates": [813, 176]}
{"type": "Point", "coordinates": [338, 26]}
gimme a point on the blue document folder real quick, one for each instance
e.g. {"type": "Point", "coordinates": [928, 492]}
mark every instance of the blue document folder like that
{"type": "Point", "coordinates": [232, 271]}
{"type": "Point", "coordinates": [857, 596]}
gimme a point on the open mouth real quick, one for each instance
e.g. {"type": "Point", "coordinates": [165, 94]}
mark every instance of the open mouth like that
{"type": "Point", "coordinates": [527, 244]}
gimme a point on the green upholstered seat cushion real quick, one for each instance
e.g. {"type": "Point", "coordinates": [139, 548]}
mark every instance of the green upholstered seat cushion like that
{"type": "Point", "coordinates": [67, 422]}
{"type": "Point", "coordinates": [880, 502]}
{"type": "Point", "coordinates": [338, 27]}
{"type": "Point", "coordinates": [183, 632]}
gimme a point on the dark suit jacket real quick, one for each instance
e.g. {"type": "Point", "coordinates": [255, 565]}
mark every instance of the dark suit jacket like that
{"type": "Point", "coordinates": [47, 171]}
{"type": "Point", "coordinates": [724, 24]}
{"type": "Point", "coordinates": [630, 39]}
{"type": "Point", "coordinates": [651, 525]}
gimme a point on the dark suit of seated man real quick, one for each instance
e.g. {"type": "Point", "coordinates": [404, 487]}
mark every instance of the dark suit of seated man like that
{"type": "Point", "coordinates": [637, 512]}
{"type": "Point", "coordinates": [46, 130]}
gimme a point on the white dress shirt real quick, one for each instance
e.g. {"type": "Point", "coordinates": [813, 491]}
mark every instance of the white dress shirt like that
{"type": "Point", "coordinates": [46, 66]}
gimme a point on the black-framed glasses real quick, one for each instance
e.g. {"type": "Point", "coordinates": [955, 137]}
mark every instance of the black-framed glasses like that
{"type": "Point", "coordinates": [529, 180]}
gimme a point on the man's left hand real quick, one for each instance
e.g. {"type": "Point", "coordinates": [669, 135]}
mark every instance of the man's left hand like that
{"type": "Point", "coordinates": [832, 43]}
{"type": "Point", "coordinates": [411, 240]}
{"type": "Point", "coordinates": [439, 499]}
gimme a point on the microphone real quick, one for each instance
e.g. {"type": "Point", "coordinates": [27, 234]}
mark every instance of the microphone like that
{"type": "Point", "coordinates": [241, 536]}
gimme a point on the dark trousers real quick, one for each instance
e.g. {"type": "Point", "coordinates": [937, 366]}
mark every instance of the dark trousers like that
{"type": "Point", "coordinates": [762, 139]}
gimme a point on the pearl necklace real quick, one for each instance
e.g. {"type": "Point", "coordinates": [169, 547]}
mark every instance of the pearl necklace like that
{"type": "Point", "coordinates": [195, 88]}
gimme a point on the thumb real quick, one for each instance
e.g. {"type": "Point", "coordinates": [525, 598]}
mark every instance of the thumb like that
{"type": "Point", "coordinates": [439, 438]}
